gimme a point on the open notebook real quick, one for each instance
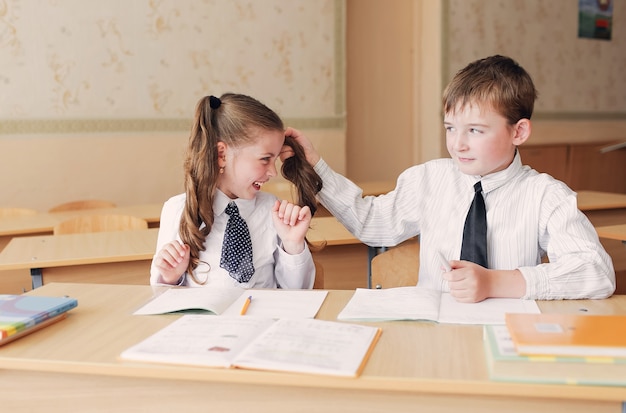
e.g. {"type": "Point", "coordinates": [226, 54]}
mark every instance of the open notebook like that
{"type": "Point", "coordinates": [420, 303]}
{"type": "Point", "coordinates": [270, 303]}
{"type": "Point", "coordinates": [24, 314]}
{"type": "Point", "coordinates": [289, 345]}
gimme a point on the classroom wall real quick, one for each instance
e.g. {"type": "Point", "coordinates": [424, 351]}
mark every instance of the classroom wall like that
{"type": "Point", "coordinates": [394, 116]}
{"type": "Point", "coordinates": [96, 98]}
{"type": "Point", "coordinates": [581, 82]}
{"type": "Point", "coordinates": [42, 170]}
{"type": "Point", "coordinates": [378, 39]}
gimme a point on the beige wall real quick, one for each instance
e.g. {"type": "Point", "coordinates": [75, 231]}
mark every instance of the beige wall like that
{"type": "Point", "coordinates": [581, 82]}
{"type": "Point", "coordinates": [401, 54]}
{"type": "Point", "coordinates": [380, 71]}
{"type": "Point", "coordinates": [39, 171]}
{"type": "Point", "coordinates": [363, 78]}
{"type": "Point", "coordinates": [393, 77]}
{"type": "Point", "coordinates": [574, 75]}
{"type": "Point", "coordinates": [97, 97]}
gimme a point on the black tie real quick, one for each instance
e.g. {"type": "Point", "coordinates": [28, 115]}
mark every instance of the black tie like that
{"type": "Point", "coordinates": [237, 247]}
{"type": "Point", "coordinates": [474, 247]}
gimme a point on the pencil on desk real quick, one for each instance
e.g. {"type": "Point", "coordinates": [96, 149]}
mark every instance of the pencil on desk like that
{"type": "Point", "coordinates": [246, 304]}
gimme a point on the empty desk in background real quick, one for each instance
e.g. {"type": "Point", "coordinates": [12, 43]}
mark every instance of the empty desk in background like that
{"type": "Point", "coordinates": [611, 235]}
{"type": "Point", "coordinates": [121, 257]}
{"type": "Point", "coordinates": [616, 232]}
{"type": "Point", "coordinates": [43, 223]}
{"type": "Point", "coordinates": [345, 259]}
{"type": "Point", "coordinates": [602, 209]}
{"type": "Point", "coordinates": [74, 365]}
{"type": "Point", "coordinates": [124, 257]}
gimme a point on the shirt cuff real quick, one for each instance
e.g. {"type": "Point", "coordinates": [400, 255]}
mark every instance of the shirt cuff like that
{"type": "Point", "coordinates": [179, 283]}
{"type": "Point", "coordinates": [536, 280]}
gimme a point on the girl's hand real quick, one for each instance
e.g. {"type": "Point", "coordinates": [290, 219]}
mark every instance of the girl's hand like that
{"type": "Point", "coordinates": [172, 261]}
{"type": "Point", "coordinates": [292, 223]}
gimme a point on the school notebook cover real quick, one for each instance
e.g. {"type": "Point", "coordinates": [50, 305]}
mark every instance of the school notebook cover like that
{"type": "Point", "coordinates": [568, 334]}
{"type": "Point", "coordinates": [23, 314]}
{"type": "Point", "coordinates": [504, 363]}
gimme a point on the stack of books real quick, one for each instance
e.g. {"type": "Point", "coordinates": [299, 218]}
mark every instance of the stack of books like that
{"type": "Point", "coordinates": [558, 348]}
{"type": "Point", "coordinates": [24, 314]}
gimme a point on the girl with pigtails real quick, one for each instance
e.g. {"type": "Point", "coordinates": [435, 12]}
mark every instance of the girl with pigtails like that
{"type": "Point", "coordinates": [224, 231]}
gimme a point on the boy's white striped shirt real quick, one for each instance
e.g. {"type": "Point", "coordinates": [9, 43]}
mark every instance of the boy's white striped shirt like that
{"type": "Point", "coordinates": [528, 215]}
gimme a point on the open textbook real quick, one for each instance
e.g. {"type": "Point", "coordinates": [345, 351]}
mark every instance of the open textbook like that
{"type": "Point", "coordinates": [270, 303]}
{"type": "Point", "coordinates": [418, 303]}
{"type": "Point", "coordinates": [292, 345]}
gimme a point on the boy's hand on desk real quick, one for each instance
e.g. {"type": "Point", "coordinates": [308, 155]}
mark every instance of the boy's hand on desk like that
{"type": "Point", "coordinates": [471, 283]}
{"type": "Point", "coordinates": [292, 223]}
{"type": "Point", "coordinates": [468, 282]}
{"type": "Point", "coordinates": [172, 261]}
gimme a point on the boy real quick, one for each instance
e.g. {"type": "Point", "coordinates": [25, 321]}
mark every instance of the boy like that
{"type": "Point", "coordinates": [487, 110]}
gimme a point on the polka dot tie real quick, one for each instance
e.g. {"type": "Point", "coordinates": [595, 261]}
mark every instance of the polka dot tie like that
{"type": "Point", "coordinates": [237, 247]}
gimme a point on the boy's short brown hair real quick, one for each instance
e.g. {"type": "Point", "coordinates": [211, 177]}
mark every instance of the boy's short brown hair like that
{"type": "Point", "coordinates": [498, 81]}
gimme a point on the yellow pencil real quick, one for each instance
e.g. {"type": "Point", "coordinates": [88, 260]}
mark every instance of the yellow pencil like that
{"type": "Point", "coordinates": [246, 305]}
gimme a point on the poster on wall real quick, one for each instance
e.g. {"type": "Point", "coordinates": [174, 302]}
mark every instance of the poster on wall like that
{"type": "Point", "coordinates": [595, 19]}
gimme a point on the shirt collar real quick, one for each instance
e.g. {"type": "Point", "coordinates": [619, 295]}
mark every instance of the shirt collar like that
{"type": "Point", "coordinates": [221, 201]}
{"type": "Point", "coordinates": [497, 179]}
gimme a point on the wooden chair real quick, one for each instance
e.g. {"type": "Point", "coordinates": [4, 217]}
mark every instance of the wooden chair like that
{"type": "Point", "coordinates": [397, 267]}
{"type": "Point", "coordinates": [100, 223]}
{"type": "Point", "coordinates": [16, 212]}
{"type": "Point", "coordinates": [319, 276]}
{"type": "Point", "coordinates": [82, 204]}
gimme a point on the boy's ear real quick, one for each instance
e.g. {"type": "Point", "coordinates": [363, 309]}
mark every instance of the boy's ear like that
{"type": "Point", "coordinates": [522, 131]}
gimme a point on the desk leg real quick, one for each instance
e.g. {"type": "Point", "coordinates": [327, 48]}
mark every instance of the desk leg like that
{"type": "Point", "coordinates": [36, 275]}
{"type": "Point", "coordinates": [371, 253]}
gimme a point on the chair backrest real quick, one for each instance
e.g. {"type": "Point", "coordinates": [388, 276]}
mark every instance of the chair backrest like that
{"type": "Point", "coordinates": [100, 223]}
{"type": "Point", "coordinates": [82, 204]}
{"type": "Point", "coordinates": [397, 267]}
{"type": "Point", "coordinates": [16, 212]}
{"type": "Point", "coordinates": [319, 276]}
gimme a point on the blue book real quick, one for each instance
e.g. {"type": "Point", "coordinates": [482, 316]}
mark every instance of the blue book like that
{"type": "Point", "coordinates": [23, 314]}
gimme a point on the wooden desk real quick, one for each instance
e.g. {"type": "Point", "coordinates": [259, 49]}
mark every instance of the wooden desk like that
{"type": "Point", "coordinates": [43, 223]}
{"type": "Point", "coordinates": [328, 231]}
{"type": "Point", "coordinates": [124, 257]}
{"type": "Point", "coordinates": [121, 257]}
{"type": "Point", "coordinates": [595, 200]}
{"type": "Point", "coordinates": [607, 209]}
{"type": "Point", "coordinates": [416, 365]}
{"type": "Point", "coordinates": [616, 232]}
{"type": "Point", "coordinates": [346, 260]}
